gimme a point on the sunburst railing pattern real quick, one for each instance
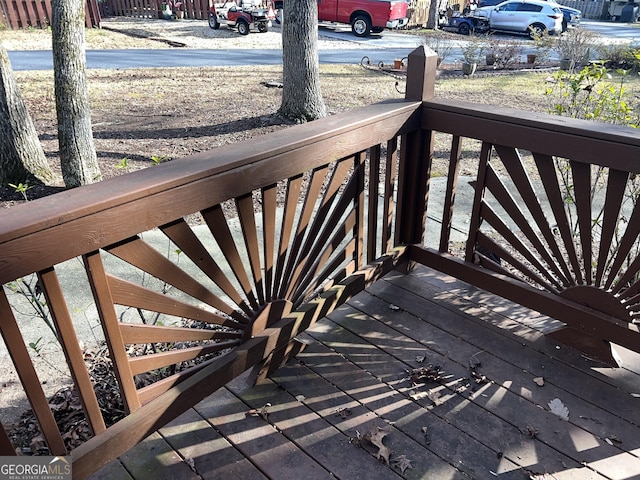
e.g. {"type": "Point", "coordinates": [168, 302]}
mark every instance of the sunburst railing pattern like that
{"type": "Point", "coordinates": [553, 213]}
{"type": "Point", "coordinates": [237, 267]}
{"type": "Point", "coordinates": [570, 228]}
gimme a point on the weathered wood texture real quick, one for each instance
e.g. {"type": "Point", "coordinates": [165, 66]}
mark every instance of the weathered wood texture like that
{"type": "Point", "coordinates": [483, 415]}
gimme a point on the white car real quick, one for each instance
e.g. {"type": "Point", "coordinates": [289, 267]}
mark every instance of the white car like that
{"type": "Point", "coordinates": [532, 17]}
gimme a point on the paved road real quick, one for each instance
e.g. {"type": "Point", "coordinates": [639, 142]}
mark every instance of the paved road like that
{"type": "Point", "coordinates": [384, 48]}
{"type": "Point", "coordinates": [43, 60]}
{"type": "Point", "coordinates": [628, 32]}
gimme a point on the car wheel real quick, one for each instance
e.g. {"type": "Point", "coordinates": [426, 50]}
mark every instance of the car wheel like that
{"type": "Point", "coordinates": [262, 27]}
{"type": "Point", "coordinates": [213, 22]}
{"type": "Point", "coordinates": [243, 27]}
{"type": "Point", "coordinates": [536, 30]}
{"type": "Point", "coordinates": [464, 29]}
{"type": "Point", "coordinates": [564, 25]}
{"type": "Point", "coordinates": [361, 26]}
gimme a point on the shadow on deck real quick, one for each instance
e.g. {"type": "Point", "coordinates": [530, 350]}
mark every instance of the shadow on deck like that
{"type": "Point", "coordinates": [459, 380]}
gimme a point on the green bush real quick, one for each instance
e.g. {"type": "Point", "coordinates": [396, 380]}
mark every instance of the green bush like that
{"type": "Point", "coordinates": [593, 93]}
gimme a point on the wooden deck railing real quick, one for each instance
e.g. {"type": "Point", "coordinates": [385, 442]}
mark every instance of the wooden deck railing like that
{"type": "Point", "coordinates": [215, 262]}
{"type": "Point", "coordinates": [554, 221]}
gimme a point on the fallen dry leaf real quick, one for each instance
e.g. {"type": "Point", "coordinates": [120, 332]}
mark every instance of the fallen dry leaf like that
{"type": "Point", "coordinates": [425, 433]}
{"type": "Point", "coordinates": [558, 408]}
{"type": "Point", "coordinates": [474, 361]}
{"type": "Point", "coordinates": [430, 373]}
{"type": "Point", "coordinates": [539, 381]}
{"type": "Point", "coordinates": [402, 463]}
{"type": "Point", "coordinates": [260, 412]}
{"type": "Point", "coordinates": [614, 439]}
{"type": "Point", "coordinates": [343, 412]}
{"type": "Point", "coordinates": [417, 395]}
{"type": "Point", "coordinates": [435, 398]}
{"type": "Point", "coordinates": [375, 438]}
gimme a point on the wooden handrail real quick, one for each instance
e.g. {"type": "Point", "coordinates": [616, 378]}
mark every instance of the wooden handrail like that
{"type": "Point", "coordinates": [583, 140]}
{"type": "Point", "coordinates": [91, 217]}
{"type": "Point", "coordinates": [530, 230]}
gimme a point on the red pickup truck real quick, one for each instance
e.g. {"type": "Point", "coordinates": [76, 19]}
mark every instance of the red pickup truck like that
{"type": "Point", "coordinates": [364, 16]}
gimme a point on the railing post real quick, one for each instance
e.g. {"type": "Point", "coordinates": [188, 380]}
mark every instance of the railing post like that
{"type": "Point", "coordinates": [421, 74]}
{"type": "Point", "coordinates": [416, 153]}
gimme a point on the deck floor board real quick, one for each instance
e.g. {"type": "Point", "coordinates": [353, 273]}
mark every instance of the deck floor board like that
{"type": "Point", "coordinates": [353, 378]}
{"type": "Point", "coordinates": [463, 410]}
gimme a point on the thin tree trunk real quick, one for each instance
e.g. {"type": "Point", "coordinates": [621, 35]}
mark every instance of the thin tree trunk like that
{"type": "Point", "coordinates": [301, 94]}
{"type": "Point", "coordinates": [432, 20]}
{"type": "Point", "coordinates": [78, 158]}
{"type": "Point", "coordinates": [22, 158]}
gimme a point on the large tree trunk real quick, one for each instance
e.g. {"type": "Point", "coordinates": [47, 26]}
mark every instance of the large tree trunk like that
{"type": "Point", "coordinates": [301, 94]}
{"type": "Point", "coordinates": [75, 137]}
{"type": "Point", "coordinates": [22, 158]}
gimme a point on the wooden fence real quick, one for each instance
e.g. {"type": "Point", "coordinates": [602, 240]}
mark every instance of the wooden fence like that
{"type": "Point", "coordinates": [15, 14]}
{"type": "Point", "coordinates": [194, 9]}
{"type": "Point", "coordinates": [590, 9]}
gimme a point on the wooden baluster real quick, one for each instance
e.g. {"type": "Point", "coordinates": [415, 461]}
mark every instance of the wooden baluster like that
{"type": "Point", "coordinates": [372, 213]}
{"type": "Point", "coordinates": [28, 377]}
{"type": "Point", "coordinates": [358, 231]}
{"type": "Point", "coordinates": [269, 229]}
{"type": "Point", "coordinates": [6, 448]}
{"type": "Point", "coordinates": [246, 215]}
{"type": "Point", "coordinates": [476, 220]}
{"type": "Point", "coordinates": [69, 341]}
{"type": "Point", "coordinates": [110, 325]}
{"type": "Point", "coordinates": [450, 196]}
{"type": "Point", "coordinates": [389, 186]}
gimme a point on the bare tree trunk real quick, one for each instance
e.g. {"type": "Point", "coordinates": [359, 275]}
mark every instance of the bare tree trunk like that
{"type": "Point", "coordinates": [22, 158]}
{"type": "Point", "coordinates": [432, 20]}
{"type": "Point", "coordinates": [301, 94]}
{"type": "Point", "coordinates": [75, 136]}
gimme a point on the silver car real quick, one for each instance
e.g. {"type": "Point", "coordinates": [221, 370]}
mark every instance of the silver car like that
{"type": "Point", "coordinates": [532, 17]}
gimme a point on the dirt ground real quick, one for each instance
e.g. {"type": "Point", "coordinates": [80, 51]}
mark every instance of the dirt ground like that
{"type": "Point", "coordinates": [140, 114]}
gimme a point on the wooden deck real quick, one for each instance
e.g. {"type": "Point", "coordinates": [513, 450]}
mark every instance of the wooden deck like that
{"type": "Point", "coordinates": [484, 416]}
